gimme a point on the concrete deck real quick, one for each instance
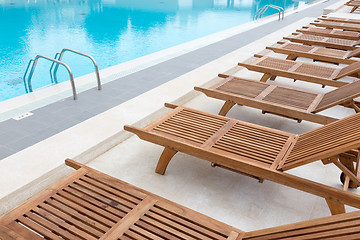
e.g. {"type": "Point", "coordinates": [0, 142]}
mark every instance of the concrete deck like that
{"type": "Point", "coordinates": [100, 142]}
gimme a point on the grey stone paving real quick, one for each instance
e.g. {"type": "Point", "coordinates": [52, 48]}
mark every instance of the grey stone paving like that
{"type": "Point", "coordinates": [58, 116]}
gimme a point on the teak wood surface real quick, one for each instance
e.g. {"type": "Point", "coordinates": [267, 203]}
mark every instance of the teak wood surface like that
{"type": "Point", "coordinates": [308, 72]}
{"type": "Point", "coordinates": [339, 25]}
{"type": "Point", "coordinates": [334, 33]}
{"type": "Point", "coordinates": [329, 55]}
{"type": "Point", "coordinates": [259, 151]}
{"type": "Point", "coordinates": [339, 227]}
{"type": "Point", "coordinates": [280, 100]}
{"type": "Point", "coordinates": [328, 42]}
{"type": "Point", "coordinates": [91, 205]}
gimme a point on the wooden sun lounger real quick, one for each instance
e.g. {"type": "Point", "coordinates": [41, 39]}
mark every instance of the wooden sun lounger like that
{"type": "Point", "coordinates": [309, 72]}
{"type": "Point", "coordinates": [337, 43]}
{"type": "Point", "coordinates": [90, 205]}
{"type": "Point", "coordinates": [354, 4]}
{"type": "Point", "coordinates": [339, 19]}
{"type": "Point", "coordinates": [340, 227]}
{"type": "Point", "coordinates": [330, 55]}
{"type": "Point", "coordinates": [334, 33]}
{"type": "Point", "coordinates": [259, 151]}
{"type": "Point", "coordinates": [338, 25]}
{"type": "Point", "coordinates": [284, 101]}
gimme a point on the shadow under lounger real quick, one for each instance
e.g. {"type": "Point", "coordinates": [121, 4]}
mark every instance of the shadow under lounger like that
{"type": "Point", "coordinates": [293, 51]}
{"type": "Point", "coordinates": [91, 205]}
{"type": "Point", "coordinates": [280, 100]}
{"type": "Point", "coordinates": [308, 72]}
{"type": "Point", "coordinates": [260, 151]}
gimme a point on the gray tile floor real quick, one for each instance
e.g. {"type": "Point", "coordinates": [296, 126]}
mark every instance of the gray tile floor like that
{"type": "Point", "coordinates": [56, 117]}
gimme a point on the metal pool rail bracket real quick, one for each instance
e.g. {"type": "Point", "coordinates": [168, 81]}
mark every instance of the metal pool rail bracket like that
{"type": "Point", "coordinates": [34, 61]}
{"type": "Point", "coordinates": [60, 55]}
{"type": "Point", "coordinates": [262, 10]}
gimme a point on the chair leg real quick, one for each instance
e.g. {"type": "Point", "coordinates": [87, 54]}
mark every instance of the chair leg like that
{"type": "Point", "coordinates": [164, 160]}
{"type": "Point", "coordinates": [265, 77]}
{"type": "Point", "coordinates": [226, 107]}
{"type": "Point", "coordinates": [335, 206]}
{"type": "Point", "coordinates": [291, 57]}
{"type": "Point", "coordinates": [272, 78]}
{"type": "Point", "coordinates": [353, 9]}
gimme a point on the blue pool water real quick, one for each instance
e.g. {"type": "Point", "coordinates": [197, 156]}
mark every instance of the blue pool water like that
{"type": "Point", "coordinates": [112, 31]}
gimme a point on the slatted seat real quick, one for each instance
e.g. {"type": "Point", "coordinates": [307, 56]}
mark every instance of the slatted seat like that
{"type": "Point", "coordinates": [317, 53]}
{"type": "Point", "coordinates": [329, 42]}
{"type": "Point", "coordinates": [309, 72]}
{"type": "Point", "coordinates": [339, 19]}
{"type": "Point", "coordinates": [259, 151]}
{"type": "Point", "coordinates": [339, 227]}
{"type": "Point", "coordinates": [338, 25]}
{"type": "Point", "coordinates": [334, 33]}
{"type": "Point", "coordinates": [284, 101]}
{"type": "Point", "coordinates": [91, 205]}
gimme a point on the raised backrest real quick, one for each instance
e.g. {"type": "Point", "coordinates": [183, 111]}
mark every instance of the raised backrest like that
{"type": "Point", "coordinates": [324, 142]}
{"type": "Point", "coordinates": [348, 70]}
{"type": "Point", "coordinates": [338, 96]}
{"type": "Point", "coordinates": [354, 53]}
{"type": "Point", "coordinates": [339, 227]}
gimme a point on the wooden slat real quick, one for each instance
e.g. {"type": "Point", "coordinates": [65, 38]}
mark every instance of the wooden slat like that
{"type": "Point", "coordinates": [122, 226]}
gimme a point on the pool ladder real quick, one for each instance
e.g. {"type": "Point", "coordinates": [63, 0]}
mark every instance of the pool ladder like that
{"type": "Point", "coordinates": [56, 61]}
{"type": "Point", "coordinates": [262, 10]}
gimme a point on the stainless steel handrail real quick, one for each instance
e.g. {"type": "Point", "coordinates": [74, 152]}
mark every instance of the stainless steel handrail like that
{"type": "Point", "coordinates": [24, 77]}
{"type": "Point", "coordinates": [262, 10]}
{"type": "Point", "coordinates": [52, 60]}
{"type": "Point", "coordinates": [61, 54]}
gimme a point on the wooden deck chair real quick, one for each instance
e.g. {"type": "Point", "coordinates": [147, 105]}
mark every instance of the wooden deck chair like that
{"type": "Point", "coordinates": [90, 205]}
{"type": "Point", "coordinates": [337, 56]}
{"type": "Point", "coordinates": [334, 33]}
{"type": "Point", "coordinates": [259, 151]}
{"type": "Point", "coordinates": [280, 100]}
{"type": "Point", "coordinates": [309, 72]}
{"type": "Point", "coordinates": [353, 4]}
{"type": "Point", "coordinates": [340, 227]}
{"type": "Point", "coordinates": [337, 43]}
{"type": "Point", "coordinates": [339, 19]}
{"type": "Point", "coordinates": [338, 25]}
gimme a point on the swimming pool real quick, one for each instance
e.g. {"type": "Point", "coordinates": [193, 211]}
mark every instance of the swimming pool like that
{"type": "Point", "coordinates": [112, 31]}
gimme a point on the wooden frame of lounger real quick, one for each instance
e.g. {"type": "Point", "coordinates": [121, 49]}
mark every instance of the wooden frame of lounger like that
{"type": "Point", "coordinates": [339, 19]}
{"type": "Point", "coordinates": [293, 51]}
{"type": "Point", "coordinates": [91, 205]}
{"type": "Point", "coordinates": [308, 72]}
{"type": "Point", "coordinates": [258, 151]}
{"type": "Point", "coordinates": [334, 33]}
{"type": "Point", "coordinates": [339, 227]}
{"type": "Point", "coordinates": [354, 4]}
{"type": "Point", "coordinates": [337, 25]}
{"type": "Point", "coordinates": [329, 42]}
{"type": "Point", "coordinates": [280, 100]}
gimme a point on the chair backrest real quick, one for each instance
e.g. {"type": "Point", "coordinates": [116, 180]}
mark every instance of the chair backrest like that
{"type": "Point", "coordinates": [324, 142]}
{"type": "Point", "coordinates": [348, 70]}
{"type": "Point", "coordinates": [354, 53]}
{"type": "Point", "coordinates": [341, 95]}
{"type": "Point", "coordinates": [341, 226]}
